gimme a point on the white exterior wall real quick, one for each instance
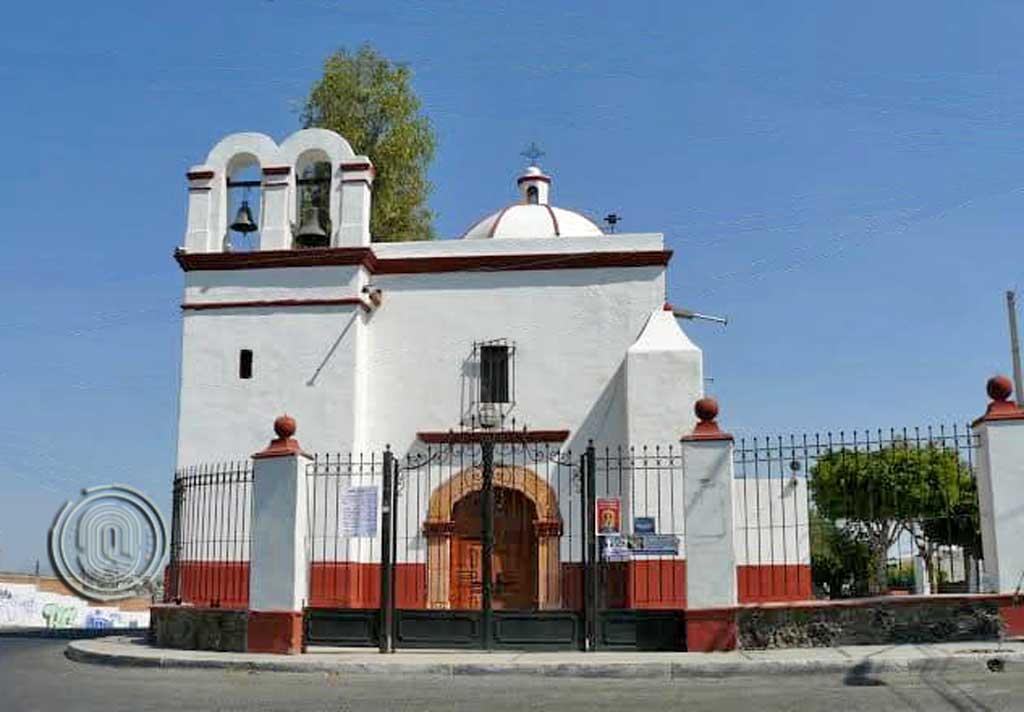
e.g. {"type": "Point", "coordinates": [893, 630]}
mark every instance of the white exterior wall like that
{"type": "Point", "coordinates": [664, 378]}
{"type": "Point", "coordinates": [771, 521]}
{"type": "Point", "coordinates": [382, 377]}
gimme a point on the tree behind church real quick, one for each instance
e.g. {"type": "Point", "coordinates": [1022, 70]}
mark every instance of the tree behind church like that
{"type": "Point", "coordinates": [368, 99]}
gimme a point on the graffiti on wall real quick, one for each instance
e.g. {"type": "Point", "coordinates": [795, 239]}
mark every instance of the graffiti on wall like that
{"type": "Point", "coordinates": [24, 606]}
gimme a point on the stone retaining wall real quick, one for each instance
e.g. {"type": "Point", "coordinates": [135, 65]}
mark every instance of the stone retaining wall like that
{"type": "Point", "coordinates": [876, 621]}
{"type": "Point", "coordinates": [189, 628]}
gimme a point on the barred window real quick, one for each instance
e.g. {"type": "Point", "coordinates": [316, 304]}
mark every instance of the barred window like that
{"type": "Point", "coordinates": [494, 361]}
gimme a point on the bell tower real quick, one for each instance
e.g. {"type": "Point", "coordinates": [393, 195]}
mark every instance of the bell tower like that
{"type": "Point", "coordinates": [312, 190]}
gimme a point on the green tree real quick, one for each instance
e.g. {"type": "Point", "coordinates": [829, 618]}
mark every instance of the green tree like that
{"type": "Point", "coordinates": [841, 561]}
{"type": "Point", "coordinates": [369, 100]}
{"type": "Point", "coordinates": [886, 492]}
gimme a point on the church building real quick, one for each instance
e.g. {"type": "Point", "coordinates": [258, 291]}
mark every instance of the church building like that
{"type": "Point", "coordinates": [536, 330]}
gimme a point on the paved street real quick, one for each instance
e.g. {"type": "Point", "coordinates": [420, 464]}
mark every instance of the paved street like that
{"type": "Point", "coordinates": [35, 675]}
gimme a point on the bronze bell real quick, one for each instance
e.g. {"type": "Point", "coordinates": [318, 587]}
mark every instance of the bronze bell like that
{"type": "Point", "coordinates": [311, 233]}
{"type": "Point", "coordinates": [243, 219]}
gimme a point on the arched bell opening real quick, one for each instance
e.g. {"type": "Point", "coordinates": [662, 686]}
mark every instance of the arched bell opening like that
{"type": "Point", "coordinates": [313, 224]}
{"type": "Point", "coordinates": [244, 203]}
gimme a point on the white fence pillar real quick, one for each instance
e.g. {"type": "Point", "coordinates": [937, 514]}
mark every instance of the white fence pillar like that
{"type": "Point", "coordinates": [711, 595]}
{"type": "Point", "coordinates": [279, 566]}
{"type": "Point", "coordinates": [1000, 471]}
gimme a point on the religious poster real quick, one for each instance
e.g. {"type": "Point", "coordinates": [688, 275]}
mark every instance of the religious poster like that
{"type": "Point", "coordinates": [359, 511]}
{"type": "Point", "coordinates": [609, 515]}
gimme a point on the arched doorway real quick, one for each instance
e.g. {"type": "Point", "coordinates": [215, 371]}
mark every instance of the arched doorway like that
{"type": "Point", "coordinates": [514, 567]}
{"type": "Point", "coordinates": [528, 529]}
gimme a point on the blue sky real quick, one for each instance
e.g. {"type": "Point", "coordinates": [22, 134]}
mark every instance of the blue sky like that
{"type": "Point", "coordinates": [844, 181]}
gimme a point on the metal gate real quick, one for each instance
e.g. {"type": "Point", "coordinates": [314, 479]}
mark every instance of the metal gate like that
{"type": "Point", "coordinates": [489, 541]}
{"type": "Point", "coordinates": [490, 547]}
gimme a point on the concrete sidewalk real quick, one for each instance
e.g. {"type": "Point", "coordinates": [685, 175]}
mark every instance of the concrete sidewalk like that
{"type": "Point", "coordinates": [858, 661]}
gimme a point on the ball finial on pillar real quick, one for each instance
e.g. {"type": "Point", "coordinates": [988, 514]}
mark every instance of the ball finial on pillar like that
{"type": "Point", "coordinates": [284, 426]}
{"type": "Point", "coordinates": [999, 388]}
{"type": "Point", "coordinates": [284, 443]}
{"type": "Point", "coordinates": [1000, 407]}
{"type": "Point", "coordinates": [706, 410]}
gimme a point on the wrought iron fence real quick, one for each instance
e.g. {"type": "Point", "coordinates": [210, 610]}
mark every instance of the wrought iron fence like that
{"type": "Point", "coordinates": [639, 505]}
{"type": "Point", "coordinates": [210, 535]}
{"type": "Point", "coordinates": [492, 528]}
{"type": "Point", "coordinates": [344, 520]}
{"type": "Point", "coordinates": [859, 513]}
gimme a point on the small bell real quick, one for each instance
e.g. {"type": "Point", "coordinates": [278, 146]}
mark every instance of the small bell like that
{"type": "Point", "coordinates": [243, 219]}
{"type": "Point", "coordinates": [310, 232]}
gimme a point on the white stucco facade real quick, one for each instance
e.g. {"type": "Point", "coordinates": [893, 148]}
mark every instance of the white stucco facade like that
{"type": "Point", "coordinates": [594, 352]}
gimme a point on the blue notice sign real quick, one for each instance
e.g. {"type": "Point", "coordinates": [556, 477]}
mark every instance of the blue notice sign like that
{"type": "Point", "coordinates": [643, 525]}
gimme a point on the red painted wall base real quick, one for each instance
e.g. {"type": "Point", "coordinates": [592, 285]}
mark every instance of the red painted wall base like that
{"type": "Point", "coordinates": [275, 632]}
{"type": "Point", "coordinates": [710, 630]}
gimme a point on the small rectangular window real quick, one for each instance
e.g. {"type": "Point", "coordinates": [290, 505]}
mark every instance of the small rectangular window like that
{"type": "Point", "coordinates": [245, 363]}
{"type": "Point", "coordinates": [494, 374]}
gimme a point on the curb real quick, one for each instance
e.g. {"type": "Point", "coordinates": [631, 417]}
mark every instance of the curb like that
{"type": "Point", "coordinates": [85, 651]}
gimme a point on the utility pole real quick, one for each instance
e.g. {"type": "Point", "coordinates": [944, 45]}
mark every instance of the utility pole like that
{"type": "Point", "coordinates": [1011, 308]}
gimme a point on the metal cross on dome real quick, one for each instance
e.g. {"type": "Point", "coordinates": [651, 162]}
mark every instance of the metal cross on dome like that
{"type": "Point", "coordinates": [532, 152]}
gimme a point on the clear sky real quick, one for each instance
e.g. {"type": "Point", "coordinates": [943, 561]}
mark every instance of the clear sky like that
{"type": "Point", "coordinates": [843, 180]}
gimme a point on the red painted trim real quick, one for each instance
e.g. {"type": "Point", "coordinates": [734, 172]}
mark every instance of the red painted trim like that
{"type": "Point", "coordinates": [538, 262]}
{"type": "Point", "coordinates": [760, 583]}
{"type": "Point", "coordinates": [541, 178]}
{"type": "Point", "coordinates": [1000, 410]}
{"type": "Point", "coordinates": [501, 436]}
{"type": "Point", "coordinates": [199, 175]}
{"type": "Point", "coordinates": [281, 447]}
{"type": "Point", "coordinates": [1012, 614]}
{"type": "Point", "coordinates": [357, 166]}
{"type": "Point", "coordinates": [554, 220]}
{"type": "Point", "coordinates": [494, 225]}
{"type": "Point", "coordinates": [277, 632]}
{"type": "Point", "coordinates": [1000, 599]}
{"type": "Point", "coordinates": [706, 431]}
{"type": "Point", "coordinates": [711, 629]}
{"type": "Point", "coordinates": [269, 259]}
{"type": "Point", "coordinates": [473, 226]}
{"type": "Point", "coordinates": [364, 256]}
{"type": "Point", "coordinates": [343, 301]}
{"type": "Point", "coordinates": [277, 170]}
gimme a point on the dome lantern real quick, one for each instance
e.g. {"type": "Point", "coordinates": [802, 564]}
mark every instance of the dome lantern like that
{"type": "Point", "coordinates": [533, 216]}
{"type": "Point", "coordinates": [534, 186]}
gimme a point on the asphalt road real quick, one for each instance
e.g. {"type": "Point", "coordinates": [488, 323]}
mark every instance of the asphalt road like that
{"type": "Point", "coordinates": [35, 675]}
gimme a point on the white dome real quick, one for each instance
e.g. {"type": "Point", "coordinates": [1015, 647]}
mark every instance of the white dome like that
{"type": "Point", "coordinates": [533, 216]}
{"type": "Point", "coordinates": [524, 220]}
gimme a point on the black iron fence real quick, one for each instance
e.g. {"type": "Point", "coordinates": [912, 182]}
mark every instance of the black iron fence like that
{"type": "Point", "coordinates": [211, 529]}
{"type": "Point", "coordinates": [490, 540]}
{"type": "Point", "coordinates": [859, 513]}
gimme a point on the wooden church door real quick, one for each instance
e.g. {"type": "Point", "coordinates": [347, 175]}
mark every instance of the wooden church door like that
{"type": "Point", "coordinates": [514, 566]}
